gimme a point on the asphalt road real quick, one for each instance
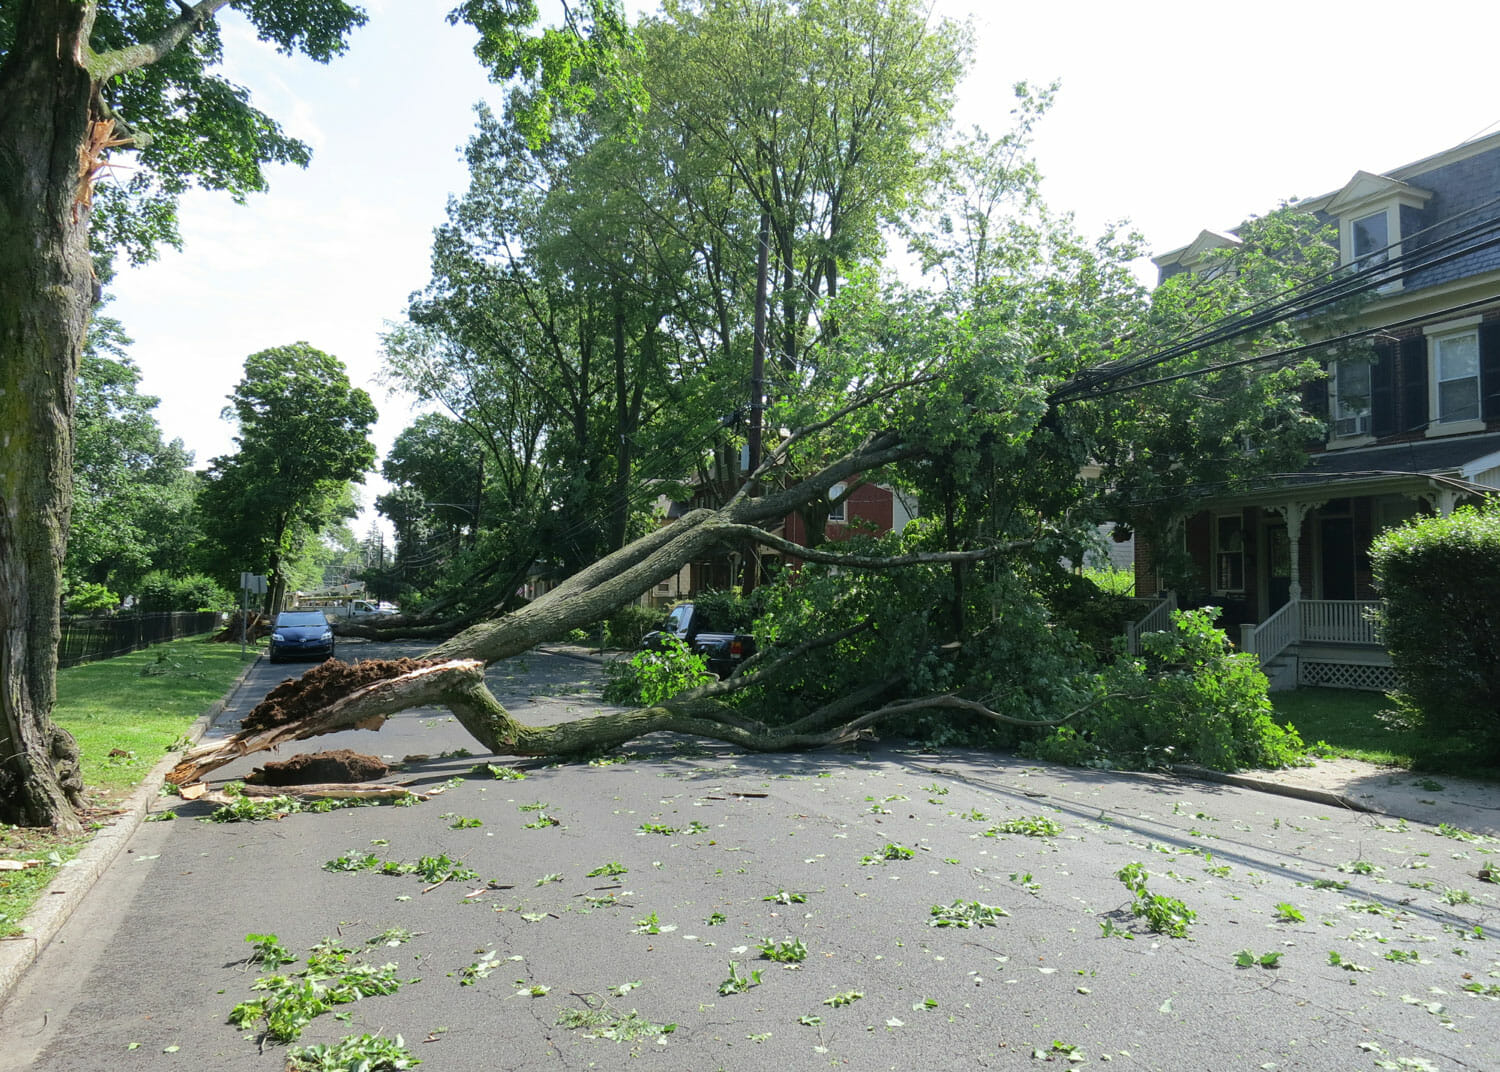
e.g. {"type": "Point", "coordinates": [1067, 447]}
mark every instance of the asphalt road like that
{"type": "Point", "coordinates": [669, 862]}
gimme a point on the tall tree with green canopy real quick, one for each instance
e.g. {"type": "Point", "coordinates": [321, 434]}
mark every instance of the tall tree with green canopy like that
{"type": "Point", "coordinates": [78, 80]}
{"type": "Point", "coordinates": [303, 438]}
{"type": "Point", "coordinates": [132, 492]}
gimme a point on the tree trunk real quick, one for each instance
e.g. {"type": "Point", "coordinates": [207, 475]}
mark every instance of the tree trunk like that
{"type": "Point", "coordinates": [46, 290]}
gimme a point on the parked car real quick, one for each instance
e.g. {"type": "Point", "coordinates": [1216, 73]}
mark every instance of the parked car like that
{"type": "Point", "coordinates": [301, 633]}
{"type": "Point", "coordinates": [723, 652]}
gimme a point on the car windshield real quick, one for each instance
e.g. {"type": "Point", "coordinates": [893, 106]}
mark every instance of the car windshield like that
{"type": "Point", "coordinates": [300, 617]}
{"type": "Point", "coordinates": [678, 619]}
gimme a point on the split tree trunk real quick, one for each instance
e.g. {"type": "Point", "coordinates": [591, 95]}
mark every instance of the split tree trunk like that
{"type": "Point", "coordinates": [46, 290]}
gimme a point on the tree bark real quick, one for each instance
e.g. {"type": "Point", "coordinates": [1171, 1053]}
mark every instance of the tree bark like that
{"type": "Point", "coordinates": [47, 107]}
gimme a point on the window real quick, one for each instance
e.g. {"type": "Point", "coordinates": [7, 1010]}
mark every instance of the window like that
{"type": "Point", "coordinates": [1229, 553]}
{"type": "Point", "coordinates": [836, 510]}
{"type": "Point", "coordinates": [1351, 398]}
{"type": "Point", "coordinates": [1455, 374]}
{"type": "Point", "coordinates": [1368, 237]}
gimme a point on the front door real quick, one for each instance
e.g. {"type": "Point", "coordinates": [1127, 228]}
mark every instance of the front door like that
{"type": "Point", "coordinates": [1337, 537]}
{"type": "Point", "coordinates": [1278, 568]}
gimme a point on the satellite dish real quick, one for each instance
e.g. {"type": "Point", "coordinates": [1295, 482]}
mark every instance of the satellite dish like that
{"type": "Point", "coordinates": [835, 492]}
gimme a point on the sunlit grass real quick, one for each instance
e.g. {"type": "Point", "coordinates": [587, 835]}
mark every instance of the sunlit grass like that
{"type": "Point", "coordinates": [1349, 722]}
{"type": "Point", "coordinates": [126, 713]}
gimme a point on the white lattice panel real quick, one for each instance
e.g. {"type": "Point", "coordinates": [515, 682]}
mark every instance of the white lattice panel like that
{"type": "Point", "coordinates": [1347, 676]}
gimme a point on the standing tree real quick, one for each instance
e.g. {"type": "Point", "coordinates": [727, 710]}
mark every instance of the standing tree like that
{"type": "Point", "coordinates": [304, 436]}
{"type": "Point", "coordinates": [79, 78]}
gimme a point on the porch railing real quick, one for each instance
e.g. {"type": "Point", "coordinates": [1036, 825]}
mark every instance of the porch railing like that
{"type": "Point", "coordinates": [1338, 621]}
{"type": "Point", "coordinates": [1274, 635]}
{"type": "Point", "coordinates": [1157, 618]}
{"type": "Point", "coordinates": [1313, 621]}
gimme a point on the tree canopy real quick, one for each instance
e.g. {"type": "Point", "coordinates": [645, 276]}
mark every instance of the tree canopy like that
{"type": "Point", "coordinates": [303, 438]}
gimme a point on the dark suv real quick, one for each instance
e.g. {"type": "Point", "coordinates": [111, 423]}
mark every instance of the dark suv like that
{"type": "Point", "coordinates": [301, 633]}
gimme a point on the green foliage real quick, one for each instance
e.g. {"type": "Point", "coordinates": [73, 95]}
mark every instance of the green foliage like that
{"type": "Point", "coordinates": [1439, 579]}
{"type": "Point", "coordinates": [89, 598]}
{"type": "Point", "coordinates": [624, 627]}
{"type": "Point", "coordinates": [132, 491]}
{"type": "Point", "coordinates": [1190, 698]}
{"type": "Point", "coordinates": [1163, 914]}
{"type": "Point", "coordinates": [303, 438]}
{"type": "Point", "coordinates": [363, 1053]}
{"type": "Point", "coordinates": [649, 677]}
{"type": "Point", "coordinates": [965, 914]}
{"type": "Point", "coordinates": [1030, 825]}
{"type": "Point", "coordinates": [737, 983]}
{"type": "Point", "coordinates": [159, 591]}
{"type": "Point", "coordinates": [789, 951]}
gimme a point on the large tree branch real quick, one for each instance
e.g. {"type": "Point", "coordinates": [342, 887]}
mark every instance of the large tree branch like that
{"type": "Point", "coordinates": [459, 686]}
{"type": "Point", "coordinates": [783, 450]}
{"type": "Point", "coordinates": [837, 558]}
{"type": "Point", "coordinates": [103, 66]}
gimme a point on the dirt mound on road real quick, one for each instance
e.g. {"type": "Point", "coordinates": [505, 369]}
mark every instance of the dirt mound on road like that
{"type": "Point", "coordinates": [339, 765]}
{"type": "Point", "coordinates": [297, 698]}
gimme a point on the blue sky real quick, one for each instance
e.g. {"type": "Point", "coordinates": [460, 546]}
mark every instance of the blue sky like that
{"type": "Point", "coordinates": [1174, 115]}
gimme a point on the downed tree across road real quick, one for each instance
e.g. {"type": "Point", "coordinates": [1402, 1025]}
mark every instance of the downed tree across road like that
{"type": "Point", "coordinates": [336, 696]}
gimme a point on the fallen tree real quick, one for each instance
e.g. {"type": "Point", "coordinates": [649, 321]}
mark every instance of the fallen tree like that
{"type": "Point", "coordinates": [337, 697]}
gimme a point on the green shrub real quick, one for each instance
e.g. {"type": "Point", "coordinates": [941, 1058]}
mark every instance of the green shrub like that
{"type": "Point", "coordinates": [1189, 698]}
{"type": "Point", "coordinates": [159, 591]}
{"type": "Point", "coordinates": [624, 628]}
{"type": "Point", "coordinates": [1439, 579]}
{"type": "Point", "coordinates": [649, 677]}
{"type": "Point", "coordinates": [90, 598]}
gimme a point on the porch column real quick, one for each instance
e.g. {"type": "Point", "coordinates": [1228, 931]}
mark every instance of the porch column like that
{"type": "Point", "coordinates": [1294, 513]}
{"type": "Point", "coordinates": [1441, 498]}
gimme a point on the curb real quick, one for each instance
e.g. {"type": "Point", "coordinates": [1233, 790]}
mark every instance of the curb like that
{"type": "Point", "coordinates": [72, 883]}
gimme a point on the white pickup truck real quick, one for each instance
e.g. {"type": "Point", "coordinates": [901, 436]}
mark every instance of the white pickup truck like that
{"type": "Point", "coordinates": [364, 608]}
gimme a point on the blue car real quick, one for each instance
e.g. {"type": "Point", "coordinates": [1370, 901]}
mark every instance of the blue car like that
{"type": "Point", "coordinates": [301, 633]}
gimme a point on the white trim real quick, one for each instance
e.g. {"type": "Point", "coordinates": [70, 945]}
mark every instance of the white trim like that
{"type": "Point", "coordinates": [1453, 327]}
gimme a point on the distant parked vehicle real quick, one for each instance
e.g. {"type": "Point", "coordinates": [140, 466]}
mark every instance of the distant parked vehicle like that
{"type": "Point", "coordinates": [365, 608]}
{"type": "Point", "coordinates": [722, 652]}
{"type": "Point", "coordinates": [301, 633]}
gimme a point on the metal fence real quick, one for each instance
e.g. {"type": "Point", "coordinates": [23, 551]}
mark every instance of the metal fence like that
{"type": "Point", "coordinates": [87, 639]}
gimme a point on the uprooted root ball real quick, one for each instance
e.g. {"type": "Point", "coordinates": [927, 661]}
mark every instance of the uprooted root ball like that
{"type": "Point", "coordinates": [314, 768]}
{"type": "Point", "coordinates": [298, 698]}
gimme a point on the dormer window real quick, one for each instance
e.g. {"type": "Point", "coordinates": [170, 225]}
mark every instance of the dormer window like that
{"type": "Point", "coordinates": [1368, 237]}
{"type": "Point", "coordinates": [1369, 210]}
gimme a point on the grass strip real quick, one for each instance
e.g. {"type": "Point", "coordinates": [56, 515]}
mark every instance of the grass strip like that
{"type": "Point", "coordinates": [125, 713]}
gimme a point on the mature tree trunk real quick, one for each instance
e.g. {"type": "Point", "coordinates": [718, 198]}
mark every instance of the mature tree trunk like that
{"type": "Point", "coordinates": [46, 290]}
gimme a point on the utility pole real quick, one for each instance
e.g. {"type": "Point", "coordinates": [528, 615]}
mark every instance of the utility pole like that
{"type": "Point", "coordinates": [758, 383]}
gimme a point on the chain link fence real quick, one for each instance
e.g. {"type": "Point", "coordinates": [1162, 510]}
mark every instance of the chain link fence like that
{"type": "Point", "coordinates": [87, 639]}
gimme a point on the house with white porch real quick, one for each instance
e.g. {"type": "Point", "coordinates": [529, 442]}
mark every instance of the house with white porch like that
{"type": "Point", "coordinates": [1413, 426]}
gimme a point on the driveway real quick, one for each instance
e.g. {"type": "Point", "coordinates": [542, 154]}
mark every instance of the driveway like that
{"type": "Point", "coordinates": [633, 891]}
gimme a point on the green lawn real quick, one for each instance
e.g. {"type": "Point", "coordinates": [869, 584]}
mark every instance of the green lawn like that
{"type": "Point", "coordinates": [1349, 722]}
{"type": "Point", "coordinates": [127, 713]}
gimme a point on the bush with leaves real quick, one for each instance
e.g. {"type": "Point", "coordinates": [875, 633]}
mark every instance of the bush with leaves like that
{"type": "Point", "coordinates": [1439, 579]}
{"type": "Point", "coordinates": [90, 598]}
{"type": "Point", "coordinates": [624, 628]}
{"type": "Point", "coordinates": [1189, 698]}
{"type": "Point", "coordinates": [649, 677]}
{"type": "Point", "coordinates": [159, 591]}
